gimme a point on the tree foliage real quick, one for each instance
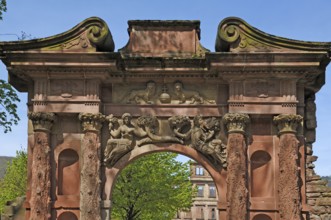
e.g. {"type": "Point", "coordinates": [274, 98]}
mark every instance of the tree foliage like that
{"type": "Point", "coordinates": [8, 108]}
{"type": "Point", "coordinates": [8, 96]}
{"type": "Point", "coordinates": [152, 187]}
{"type": "Point", "coordinates": [3, 7]}
{"type": "Point", "coordinates": [14, 182]}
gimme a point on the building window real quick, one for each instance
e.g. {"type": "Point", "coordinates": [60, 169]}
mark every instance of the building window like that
{"type": "Point", "coordinates": [212, 191]}
{"type": "Point", "coordinates": [213, 216]}
{"type": "Point", "coordinates": [198, 171]}
{"type": "Point", "coordinates": [200, 191]}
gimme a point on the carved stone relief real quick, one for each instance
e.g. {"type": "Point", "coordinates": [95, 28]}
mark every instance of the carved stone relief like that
{"type": "Point", "coordinates": [67, 88]}
{"type": "Point", "coordinates": [126, 135]}
{"type": "Point", "coordinates": [262, 88]}
{"type": "Point", "coordinates": [166, 94]}
{"type": "Point", "coordinates": [143, 96]}
{"type": "Point", "coordinates": [202, 134]}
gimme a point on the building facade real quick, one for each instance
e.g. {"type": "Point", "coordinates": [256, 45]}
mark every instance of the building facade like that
{"type": "Point", "coordinates": [245, 112]}
{"type": "Point", "coordinates": [204, 205]}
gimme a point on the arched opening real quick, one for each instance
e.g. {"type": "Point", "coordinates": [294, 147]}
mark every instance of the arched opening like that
{"type": "Point", "coordinates": [261, 174]}
{"type": "Point", "coordinates": [262, 217]}
{"type": "Point", "coordinates": [67, 216]}
{"type": "Point", "coordinates": [68, 173]}
{"type": "Point", "coordinates": [210, 189]}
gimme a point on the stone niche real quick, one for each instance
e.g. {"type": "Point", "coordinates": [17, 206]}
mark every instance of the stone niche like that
{"type": "Point", "coordinates": [246, 113]}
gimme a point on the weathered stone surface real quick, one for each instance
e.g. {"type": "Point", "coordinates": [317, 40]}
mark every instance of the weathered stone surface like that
{"type": "Point", "coordinates": [90, 194]}
{"type": "Point", "coordinates": [237, 191]}
{"type": "Point", "coordinates": [288, 184]}
{"type": "Point", "coordinates": [164, 72]}
{"type": "Point", "coordinates": [323, 201]}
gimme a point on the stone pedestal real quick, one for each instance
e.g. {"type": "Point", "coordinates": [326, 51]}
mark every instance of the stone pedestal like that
{"type": "Point", "coordinates": [237, 192]}
{"type": "Point", "coordinates": [288, 183]}
{"type": "Point", "coordinates": [40, 202]}
{"type": "Point", "coordinates": [90, 166]}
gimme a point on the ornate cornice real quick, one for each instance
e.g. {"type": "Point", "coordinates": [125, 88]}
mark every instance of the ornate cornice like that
{"type": "Point", "coordinates": [91, 122]}
{"type": "Point", "coordinates": [236, 122]}
{"type": "Point", "coordinates": [90, 35]}
{"type": "Point", "coordinates": [42, 121]}
{"type": "Point", "coordinates": [234, 34]}
{"type": "Point", "coordinates": [287, 123]}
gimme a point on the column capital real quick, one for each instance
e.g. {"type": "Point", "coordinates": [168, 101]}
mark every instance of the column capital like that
{"type": "Point", "coordinates": [236, 122]}
{"type": "Point", "coordinates": [287, 123]}
{"type": "Point", "coordinates": [42, 121]}
{"type": "Point", "coordinates": [91, 121]}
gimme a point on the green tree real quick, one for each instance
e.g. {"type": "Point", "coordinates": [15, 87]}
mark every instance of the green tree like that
{"type": "Point", "coordinates": [152, 187]}
{"type": "Point", "coordinates": [8, 96]}
{"type": "Point", "coordinates": [8, 108]}
{"type": "Point", "coordinates": [14, 182]}
{"type": "Point", "coordinates": [3, 7]}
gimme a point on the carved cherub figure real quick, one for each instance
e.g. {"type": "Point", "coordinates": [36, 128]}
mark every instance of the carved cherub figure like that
{"type": "Point", "coordinates": [144, 95]}
{"type": "Point", "coordinates": [123, 138]}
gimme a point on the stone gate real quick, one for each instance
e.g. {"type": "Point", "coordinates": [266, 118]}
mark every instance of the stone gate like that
{"type": "Point", "coordinates": [245, 112]}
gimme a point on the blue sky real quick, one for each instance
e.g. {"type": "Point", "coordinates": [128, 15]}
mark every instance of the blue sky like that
{"type": "Point", "coordinates": [302, 20]}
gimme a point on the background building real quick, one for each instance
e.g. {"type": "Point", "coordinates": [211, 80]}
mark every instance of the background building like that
{"type": "Point", "coordinates": [205, 203]}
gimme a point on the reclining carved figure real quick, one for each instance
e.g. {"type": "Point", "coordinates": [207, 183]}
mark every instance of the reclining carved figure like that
{"type": "Point", "coordinates": [144, 95]}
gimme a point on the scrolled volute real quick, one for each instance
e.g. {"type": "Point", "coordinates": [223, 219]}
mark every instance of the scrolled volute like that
{"type": "Point", "coordinates": [287, 123]}
{"type": "Point", "coordinates": [229, 33]}
{"type": "Point", "coordinates": [236, 122]}
{"type": "Point", "coordinates": [91, 122]}
{"type": "Point", "coordinates": [42, 121]}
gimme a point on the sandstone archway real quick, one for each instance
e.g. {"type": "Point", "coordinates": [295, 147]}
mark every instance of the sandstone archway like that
{"type": "Point", "coordinates": [260, 86]}
{"type": "Point", "coordinates": [217, 175]}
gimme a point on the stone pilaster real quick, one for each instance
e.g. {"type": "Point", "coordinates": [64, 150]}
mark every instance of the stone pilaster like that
{"type": "Point", "coordinates": [237, 192]}
{"type": "Point", "coordinates": [288, 182]}
{"type": "Point", "coordinates": [90, 166]}
{"type": "Point", "coordinates": [40, 202]}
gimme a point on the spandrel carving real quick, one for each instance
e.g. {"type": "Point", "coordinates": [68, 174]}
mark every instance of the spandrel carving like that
{"type": "Point", "coordinates": [203, 136]}
{"type": "Point", "coordinates": [125, 136]}
{"type": "Point", "coordinates": [150, 125]}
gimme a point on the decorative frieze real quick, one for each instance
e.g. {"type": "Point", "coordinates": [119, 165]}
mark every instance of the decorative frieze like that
{"type": "Point", "coordinates": [202, 134]}
{"type": "Point", "coordinates": [167, 94]}
{"type": "Point", "coordinates": [287, 123]}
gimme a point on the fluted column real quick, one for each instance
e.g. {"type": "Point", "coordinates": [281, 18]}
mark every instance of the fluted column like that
{"type": "Point", "coordinates": [237, 192]}
{"type": "Point", "coordinates": [90, 166]}
{"type": "Point", "coordinates": [288, 182]}
{"type": "Point", "coordinates": [40, 202]}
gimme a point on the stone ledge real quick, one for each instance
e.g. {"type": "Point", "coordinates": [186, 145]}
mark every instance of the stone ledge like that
{"type": "Point", "coordinates": [323, 201]}
{"type": "Point", "coordinates": [317, 189]}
